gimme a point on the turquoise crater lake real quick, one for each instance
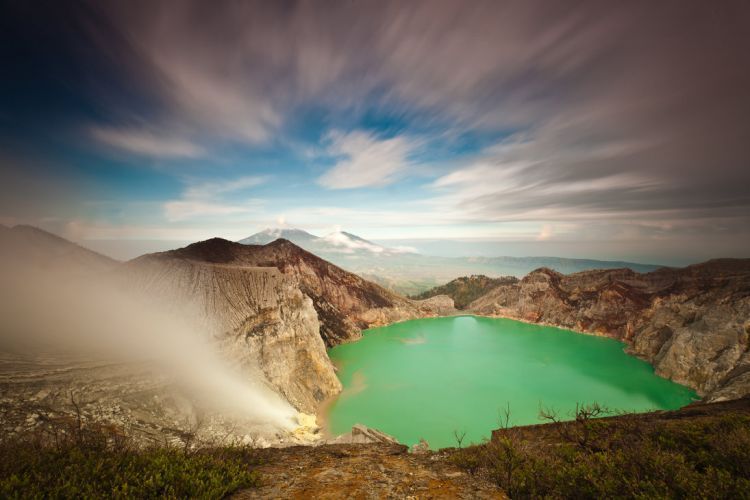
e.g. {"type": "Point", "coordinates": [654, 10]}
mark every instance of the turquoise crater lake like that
{"type": "Point", "coordinates": [426, 378]}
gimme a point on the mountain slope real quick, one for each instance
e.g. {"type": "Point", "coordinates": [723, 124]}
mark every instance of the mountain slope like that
{"type": "Point", "coordinates": [345, 303]}
{"type": "Point", "coordinates": [692, 323]}
{"type": "Point", "coordinates": [297, 236]}
{"type": "Point", "coordinates": [520, 266]}
{"type": "Point", "coordinates": [259, 316]}
{"type": "Point", "coordinates": [335, 243]}
{"type": "Point", "coordinates": [262, 303]}
{"type": "Point", "coordinates": [404, 271]}
{"type": "Point", "coordinates": [34, 246]}
{"type": "Point", "coordinates": [466, 289]}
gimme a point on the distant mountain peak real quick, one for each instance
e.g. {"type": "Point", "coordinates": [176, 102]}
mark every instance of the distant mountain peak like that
{"type": "Point", "coordinates": [349, 243]}
{"type": "Point", "coordinates": [270, 234]}
{"type": "Point", "coordinates": [34, 244]}
{"type": "Point", "coordinates": [215, 250]}
{"type": "Point", "coordinates": [339, 242]}
{"type": "Point", "coordinates": [284, 230]}
{"type": "Point", "coordinates": [354, 236]}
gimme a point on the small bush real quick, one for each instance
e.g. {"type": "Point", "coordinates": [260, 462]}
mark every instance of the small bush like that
{"type": "Point", "coordinates": [469, 459]}
{"type": "Point", "coordinates": [89, 462]}
{"type": "Point", "coordinates": [625, 457]}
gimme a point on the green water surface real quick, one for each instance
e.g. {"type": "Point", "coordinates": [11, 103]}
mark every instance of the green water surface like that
{"type": "Point", "coordinates": [426, 378]}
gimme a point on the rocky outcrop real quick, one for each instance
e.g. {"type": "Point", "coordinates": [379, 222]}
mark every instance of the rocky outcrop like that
{"type": "Point", "coordinates": [692, 324]}
{"type": "Point", "coordinates": [466, 289]}
{"type": "Point", "coordinates": [361, 434]}
{"type": "Point", "coordinates": [259, 315]}
{"type": "Point", "coordinates": [442, 305]}
{"type": "Point", "coordinates": [345, 303]}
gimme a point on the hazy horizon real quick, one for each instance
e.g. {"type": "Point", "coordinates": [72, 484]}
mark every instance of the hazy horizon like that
{"type": "Point", "coordinates": [592, 130]}
{"type": "Point", "coordinates": [129, 249]}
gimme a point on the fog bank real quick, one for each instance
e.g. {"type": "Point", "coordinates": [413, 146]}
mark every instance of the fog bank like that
{"type": "Point", "coordinates": [54, 309]}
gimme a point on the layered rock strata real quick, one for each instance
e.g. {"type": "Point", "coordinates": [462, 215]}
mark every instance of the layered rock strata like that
{"type": "Point", "coordinates": [259, 316]}
{"type": "Point", "coordinates": [692, 323]}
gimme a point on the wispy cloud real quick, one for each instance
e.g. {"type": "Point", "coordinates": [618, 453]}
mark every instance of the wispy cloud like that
{"type": "Point", "coordinates": [211, 189]}
{"type": "Point", "coordinates": [206, 199]}
{"type": "Point", "coordinates": [189, 209]}
{"type": "Point", "coordinates": [147, 143]}
{"type": "Point", "coordinates": [543, 175]}
{"type": "Point", "coordinates": [366, 161]}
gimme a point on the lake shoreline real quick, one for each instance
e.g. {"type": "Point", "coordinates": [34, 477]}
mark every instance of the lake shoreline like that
{"type": "Point", "coordinates": [404, 355]}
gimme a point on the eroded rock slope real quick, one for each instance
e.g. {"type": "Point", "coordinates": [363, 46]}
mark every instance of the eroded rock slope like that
{"type": "Point", "coordinates": [258, 314]}
{"type": "Point", "coordinates": [466, 289]}
{"type": "Point", "coordinates": [692, 324]}
{"type": "Point", "coordinates": [345, 303]}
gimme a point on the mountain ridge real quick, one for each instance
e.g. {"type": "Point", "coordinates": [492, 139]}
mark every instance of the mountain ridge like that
{"type": "Point", "coordinates": [692, 324]}
{"type": "Point", "coordinates": [466, 289]}
{"type": "Point", "coordinates": [408, 273]}
{"type": "Point", "coordinates": [334, 242]}
{"type": "Point", "coordinates": [345, 302]}
{"type": "Point", "coordinates": [39, 248]}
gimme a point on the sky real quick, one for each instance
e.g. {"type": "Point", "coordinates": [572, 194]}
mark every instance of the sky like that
{"type": "Point", "coordinates": [601, 129]}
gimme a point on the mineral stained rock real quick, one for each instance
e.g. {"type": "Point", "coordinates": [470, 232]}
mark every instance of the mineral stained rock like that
{"type": "Point", "coordinates": [692, 323]}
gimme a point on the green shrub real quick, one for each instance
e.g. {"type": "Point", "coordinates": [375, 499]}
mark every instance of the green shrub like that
{"type": "Point", "coordinates": [468, 459]}
{"type": "Point", "coordinates": [94, 465]}
{"type": "Point", "coordinates": [707, 457]}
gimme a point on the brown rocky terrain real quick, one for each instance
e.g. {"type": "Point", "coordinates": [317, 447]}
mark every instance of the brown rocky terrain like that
{"type": "Point", "coordinates": [692, 323]}
{"type": "Point", "coordinates": [265, 327]}
{"type": "Point", "coordinates": [260, 317]}
{"type": "Point", "coordinates": [541, 456]}
{"type": "Point", "coordinates": [346, 304]}
{"type": "Point", "coordinates": [363, 471]}
{"type": "Point", "coordinates": [466, 289]}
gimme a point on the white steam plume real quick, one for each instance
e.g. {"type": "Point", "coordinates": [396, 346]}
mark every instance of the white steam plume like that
{"type": "Point", "coordinates": [53, 310]}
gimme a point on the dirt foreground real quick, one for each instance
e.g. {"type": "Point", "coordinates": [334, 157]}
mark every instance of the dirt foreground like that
{"type": "Point", "coordinates": [363, 471]}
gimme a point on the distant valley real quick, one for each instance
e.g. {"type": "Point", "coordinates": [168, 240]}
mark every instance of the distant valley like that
{"type": "Point", "coordinates": [407, 272]}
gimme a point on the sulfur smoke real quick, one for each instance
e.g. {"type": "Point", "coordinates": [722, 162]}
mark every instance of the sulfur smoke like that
{"type": "Point", "coordinates": [51, 309]}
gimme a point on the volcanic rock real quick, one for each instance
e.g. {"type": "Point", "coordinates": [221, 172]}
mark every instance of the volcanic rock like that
{"type": "Point", "coordinates": [692, 323]}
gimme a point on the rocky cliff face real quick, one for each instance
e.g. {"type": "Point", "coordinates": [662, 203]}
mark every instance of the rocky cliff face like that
{"type": "Point", "coordinates": [345, 303]}
{"type": "Point", "coordinates": [692, 324]}
{"type": "Point", "coordinates": [258, 314]}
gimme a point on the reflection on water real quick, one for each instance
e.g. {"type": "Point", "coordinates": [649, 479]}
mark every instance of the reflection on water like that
{"type": "Point", "coordinates": [414, 341]}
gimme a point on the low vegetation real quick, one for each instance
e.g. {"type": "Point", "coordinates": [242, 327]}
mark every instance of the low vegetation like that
{"type": "Point", "coordinates": [630, 456]}
{"type": "Point", "coordinates": [697, 452]}
{"type": "Point", "coordinates": [465, 290]}
{"type": "Point", "coordinates": [69, 460]}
